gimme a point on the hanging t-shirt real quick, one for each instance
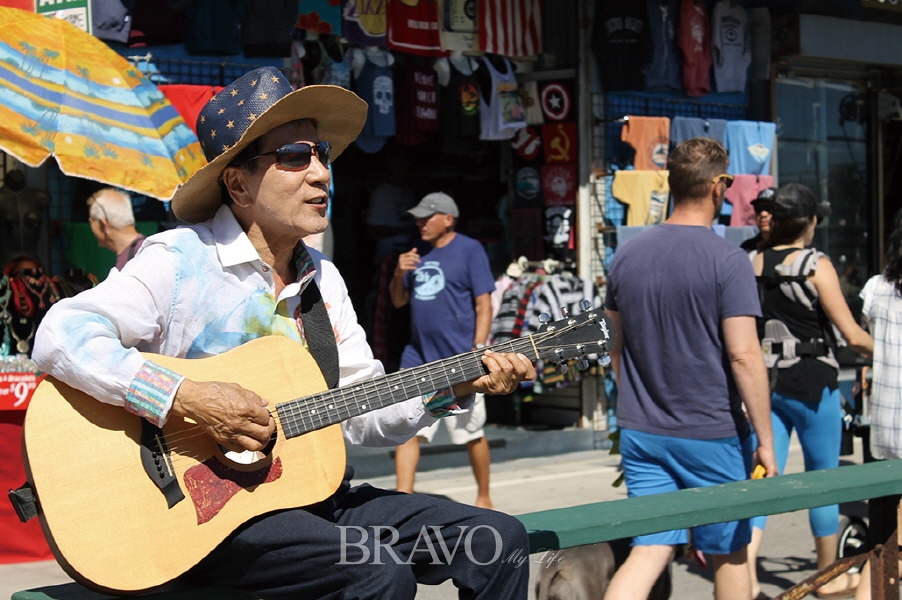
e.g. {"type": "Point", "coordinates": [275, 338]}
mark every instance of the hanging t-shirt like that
{"type": "Point", "coordinates": [375, 86]}
{"type": "Point", "coordinates": [267, 26]}
{"type": "Point", "coordinates": [746, 188]}
{"type": "Point", "coordinates": [510, 27]}
{"type": "Point", "coordinates": [459, 105]}
{"type": "Point", "coordinates": [443, 289]}
{"type": "Point", "coordinates": [695, 42]}
{"type": "Point", "coordinates": [333, 67]}
{"type": "Point", "coordinates": [213, 27]}
{"type": "Point", "coordinates": [413, 28]}
{"type": "Point", "coordinates": [559, 142]}
{"type": "Point", "coordinates": [750, 145]}
{"type": "Point", "coordinates": [559, 184]}
{"type": "Point", "coordinates": [416, 114]}
{"type": "Point", "coordinates": [501, 113]}
{"type": "Point", "coordinates": [528, 147]}
{"type": "Point", "coordinates": [528, 187]}
{"type": "Point", "coordinates": [650, 138]}
{"type": "Point", "coordinates": [645, 193]}
{"type": "Point", "coordinates": [622, 43]}
{"type": "Point", "coordinates": [731, 48]}
{"type": "Point", "coordinates": [364, 23]}
{"type": "Point", "coordinates": [557, 102]}
{"type": "Point", "coordinates": [458, 25]}
{"type": "Point", "coordinates": [663, 72]}
{"type": "Point", "coordinates": [558, 226]}
{"type": "Point", "coordinates": [686, 128]}
{"type": "Point", "coordinates": [320, 16]}
{"type": "Point", "coordinates": [529, 93]}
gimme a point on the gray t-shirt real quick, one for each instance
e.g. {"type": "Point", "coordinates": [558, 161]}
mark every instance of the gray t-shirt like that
{"type": "Point", "coordinates": [673, 285]}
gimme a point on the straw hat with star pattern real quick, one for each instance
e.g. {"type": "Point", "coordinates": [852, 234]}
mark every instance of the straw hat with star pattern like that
{"type": "Point", "coordinates": [250, 107]}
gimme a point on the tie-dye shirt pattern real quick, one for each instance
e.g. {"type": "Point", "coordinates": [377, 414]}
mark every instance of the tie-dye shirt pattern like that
{"type": "Point", "coordinates": [196, 291]}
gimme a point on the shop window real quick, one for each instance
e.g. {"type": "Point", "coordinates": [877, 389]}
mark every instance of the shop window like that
{"type": "Point", "coordinates": [822, 143]}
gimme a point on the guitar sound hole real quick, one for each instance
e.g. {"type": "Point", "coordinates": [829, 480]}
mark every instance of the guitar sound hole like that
{"type": "Point", "coordinates": [249, 457]}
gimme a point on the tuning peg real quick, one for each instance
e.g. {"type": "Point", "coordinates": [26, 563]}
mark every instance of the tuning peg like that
{"type": "Point", "coordinates": [604, 360]}
{"type": "Point", "coordinates": [562, 368]}
{"type": "Point", "coordinates": [585, 305]}
{"type": "Point", "coordinates": [582, 364]}
{"type": "Point", "coordinates": [544, 318]}
{"type": "Point", "coordinates": [565, 311]}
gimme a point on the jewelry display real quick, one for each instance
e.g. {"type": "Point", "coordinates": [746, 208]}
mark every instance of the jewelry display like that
{"type": "Point", "coordinates": [6, 317]}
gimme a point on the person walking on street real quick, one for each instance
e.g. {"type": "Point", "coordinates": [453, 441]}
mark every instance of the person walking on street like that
{"type": "Point", "coordinates": [762, 207]}
{"type": "Point", "coordinates": [113, 224]}
{"type": "Point", "coordinates": [687, 358]}
{"type": "Point", "coordinates": [882, 296]}
{"type": "Point", "coordinates": [239, 271]}
{"type": "Point", "coordinates": [801, 302]}
{"type": "Point", "coordinates": [448, 288]}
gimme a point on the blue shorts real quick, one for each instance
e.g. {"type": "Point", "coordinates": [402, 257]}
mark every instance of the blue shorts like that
{"type": "Point", "coordinates": [656, 464]}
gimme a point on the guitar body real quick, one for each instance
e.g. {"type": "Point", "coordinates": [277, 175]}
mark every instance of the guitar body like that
{"type": "Point", "coordinates": [110, 526]}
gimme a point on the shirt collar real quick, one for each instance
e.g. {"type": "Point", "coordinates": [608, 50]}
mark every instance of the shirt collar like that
{"type": "Point", "coordinates": [232, 243]}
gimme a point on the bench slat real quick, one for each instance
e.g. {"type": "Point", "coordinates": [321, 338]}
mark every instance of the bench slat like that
{"type": "Point", "coordinates": [604, 521]}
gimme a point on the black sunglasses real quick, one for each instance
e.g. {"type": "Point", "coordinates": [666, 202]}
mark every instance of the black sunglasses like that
{"type": "Point", "coordinates": [297, 156]}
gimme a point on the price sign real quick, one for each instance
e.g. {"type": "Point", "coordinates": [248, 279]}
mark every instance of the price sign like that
{"type": "Point", "coordinates": [16, 389]}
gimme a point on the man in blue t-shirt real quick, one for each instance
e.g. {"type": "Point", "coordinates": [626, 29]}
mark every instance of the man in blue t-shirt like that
{"type": "Point", "coordinates": [687, 357]}
{"type": "Point", "coordinates": [448, 288]}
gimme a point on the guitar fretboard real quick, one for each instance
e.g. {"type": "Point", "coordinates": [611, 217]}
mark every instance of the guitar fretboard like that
{"type": "Point", "coordinates": [310, 413]}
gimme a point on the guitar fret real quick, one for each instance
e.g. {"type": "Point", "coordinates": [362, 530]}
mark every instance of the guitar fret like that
{"type": "Point", "coordinates": [302, 415]}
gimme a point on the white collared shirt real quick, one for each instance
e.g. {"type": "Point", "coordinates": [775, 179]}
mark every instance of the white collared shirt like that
{"type": "Point", "coordinates": [196, 291]}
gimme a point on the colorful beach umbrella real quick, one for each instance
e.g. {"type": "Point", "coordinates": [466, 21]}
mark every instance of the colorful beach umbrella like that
{"type": "Point", "coordinates": [65, 93]}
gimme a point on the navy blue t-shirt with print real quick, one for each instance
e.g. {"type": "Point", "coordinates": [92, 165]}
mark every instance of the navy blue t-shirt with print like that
{"type": "Point", "coordinates": [673, 285]}
{"type": "Point", "coordinates": [443, 289]}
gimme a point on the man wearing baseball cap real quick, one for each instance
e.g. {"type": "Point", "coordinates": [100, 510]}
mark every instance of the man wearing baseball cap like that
{"type": "Point", "coordinates": [238, 270]}
{"type": "Point", "coordinates": [448, 289]}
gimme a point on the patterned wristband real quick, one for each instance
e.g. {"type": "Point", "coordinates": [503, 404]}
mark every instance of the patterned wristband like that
{"type": "Point", "coordinates": [150, 392]}
{"type": "Point", "coordinates": [442, 403]}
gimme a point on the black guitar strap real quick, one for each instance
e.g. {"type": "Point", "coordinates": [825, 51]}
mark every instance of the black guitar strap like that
{"type": "Point", "coordinates": [318, 330]}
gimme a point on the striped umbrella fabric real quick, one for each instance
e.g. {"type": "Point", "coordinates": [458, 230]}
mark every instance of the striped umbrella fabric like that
{"type": "Point", "coordinates": [65, 93]}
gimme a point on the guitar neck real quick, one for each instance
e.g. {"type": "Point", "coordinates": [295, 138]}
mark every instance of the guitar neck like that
{"type": "Point", "coordinates": [310, 413]}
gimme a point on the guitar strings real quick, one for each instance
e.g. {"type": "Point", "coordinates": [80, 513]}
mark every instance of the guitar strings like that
{"type": "Point", "coordinates": [182, 448]}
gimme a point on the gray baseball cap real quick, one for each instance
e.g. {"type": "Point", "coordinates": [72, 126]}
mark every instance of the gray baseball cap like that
{"type": "Point", "coordinates": [436, 202]}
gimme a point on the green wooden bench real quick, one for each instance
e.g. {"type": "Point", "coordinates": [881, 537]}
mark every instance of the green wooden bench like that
{"type": "Point", "coordinates": [598, 522]}
{"type": "Point", "coordinates": [604, 521]}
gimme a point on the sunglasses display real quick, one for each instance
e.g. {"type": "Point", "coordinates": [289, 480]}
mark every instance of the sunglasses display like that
{"type": "Point", "coordinates": [297, 157]}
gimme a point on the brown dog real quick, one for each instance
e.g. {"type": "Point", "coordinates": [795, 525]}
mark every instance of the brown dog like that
{"type": "Point", "coordinates": [583, 572]}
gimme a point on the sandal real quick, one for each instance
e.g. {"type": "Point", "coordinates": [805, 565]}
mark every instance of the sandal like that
{"type": "Point", "coordinates": [846, 592]}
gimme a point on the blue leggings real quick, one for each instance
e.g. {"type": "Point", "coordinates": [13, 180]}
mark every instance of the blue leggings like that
{"type": "Point", "coordinates": [819, 428]}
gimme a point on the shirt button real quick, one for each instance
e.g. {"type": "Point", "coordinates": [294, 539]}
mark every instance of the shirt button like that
{"type": "Point", "coordinates": [265, 269]}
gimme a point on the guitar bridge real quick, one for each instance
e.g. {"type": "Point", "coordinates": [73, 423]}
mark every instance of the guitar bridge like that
{"type": "Point", "coordinates": [157, 464]}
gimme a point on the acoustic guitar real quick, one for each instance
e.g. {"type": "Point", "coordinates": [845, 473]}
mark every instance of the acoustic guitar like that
{"type": "Point", "coordinates": [127, 506]}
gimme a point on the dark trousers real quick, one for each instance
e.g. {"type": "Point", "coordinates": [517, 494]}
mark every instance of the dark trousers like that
{"type": "Point", "coordinates": [329, 550]}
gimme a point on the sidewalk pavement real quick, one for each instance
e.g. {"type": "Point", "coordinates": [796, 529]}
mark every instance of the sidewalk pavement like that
{"type": "Point", "coordinates": [539, 483]}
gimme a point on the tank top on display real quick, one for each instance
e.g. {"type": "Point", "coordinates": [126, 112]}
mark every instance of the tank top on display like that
{"type": "Point", "coordinates": [331, 72]}
{"type": "Point", "coordinates": [375, 86]}
{"type": "Point", "coordinates": [459, 103]}
{"type": "Point", "coordinates": [501, 111]}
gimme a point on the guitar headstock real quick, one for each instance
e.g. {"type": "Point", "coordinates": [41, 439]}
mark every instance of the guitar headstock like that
{"type": "Point", "coordinates": [578, 337]}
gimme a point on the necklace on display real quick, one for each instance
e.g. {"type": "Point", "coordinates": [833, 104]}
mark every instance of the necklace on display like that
{"type": "Point", "coordinates": [22, 301]}
{"type": "Point", "coordinates": [23, 345]}
{"type": "Point", "coordinates": [5, 316]}
{"type": "Point", "coordinates": [39, 286]}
